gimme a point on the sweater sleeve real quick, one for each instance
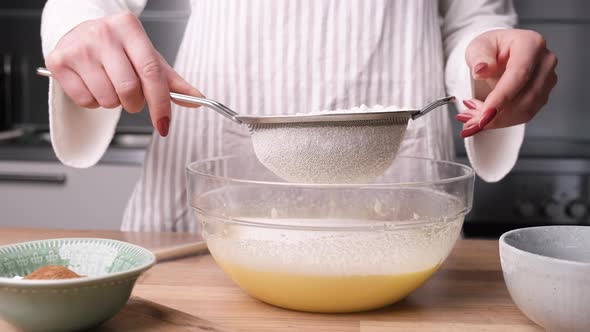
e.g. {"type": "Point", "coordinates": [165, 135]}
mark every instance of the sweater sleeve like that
{"type": "Point", "coordinates": [79, 136]}
{"type": "Point", "coordinates": [492, 153]}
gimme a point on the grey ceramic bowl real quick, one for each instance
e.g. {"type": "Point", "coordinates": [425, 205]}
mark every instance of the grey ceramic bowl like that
{"type": "Point", "coordinates": [111, 269]}
{"type": "Point", "coordinates": [547, 272]}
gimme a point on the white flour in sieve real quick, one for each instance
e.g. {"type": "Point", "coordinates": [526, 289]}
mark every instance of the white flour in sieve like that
{"type": "Point", "coordinates": [359, 109]}
{"type": "Point", "coordinates": [323, 153]}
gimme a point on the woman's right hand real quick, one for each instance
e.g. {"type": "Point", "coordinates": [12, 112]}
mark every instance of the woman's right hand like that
{"type": "Point", "coordinates": [110, 62]}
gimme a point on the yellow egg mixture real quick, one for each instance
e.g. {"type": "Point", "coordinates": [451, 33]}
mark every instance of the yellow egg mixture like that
{"type": "Point", "coordinates": [325, 293]}
{"type": "Point", "coordinates": [330, 272]}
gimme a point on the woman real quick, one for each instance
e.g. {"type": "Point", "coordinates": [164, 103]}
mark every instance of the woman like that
{"type": "Point", "coordinates": [282, 57]}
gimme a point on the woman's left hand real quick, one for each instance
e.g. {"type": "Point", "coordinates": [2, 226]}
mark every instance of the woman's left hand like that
{"type": "Point", "coordinates": [520, 71]}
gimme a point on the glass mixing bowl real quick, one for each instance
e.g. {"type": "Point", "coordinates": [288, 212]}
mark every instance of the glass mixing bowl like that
{"type": "Point", "coordinates": [333, 247]}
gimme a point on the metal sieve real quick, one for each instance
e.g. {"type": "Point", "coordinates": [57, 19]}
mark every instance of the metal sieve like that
{"type": "Point", "coordinates": [322, 148]}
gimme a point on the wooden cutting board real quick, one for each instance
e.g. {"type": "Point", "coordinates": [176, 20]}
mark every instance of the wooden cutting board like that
{"type": "Point", "coordinates": [143, 315]}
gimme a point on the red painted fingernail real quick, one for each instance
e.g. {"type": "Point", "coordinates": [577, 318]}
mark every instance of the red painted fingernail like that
{"type": "Point", "coordinates": [478, 68]}
{"type": "Point", "coordinates": [164, 126]}
{"type": "Point", "coordinates": [487, 117]}
{"type": "Point", "coordinates": [470, 131]}
{"type": "Point", "coordinates": [463, 117]}
{"type": "Point", "coordinates": [469, 104]}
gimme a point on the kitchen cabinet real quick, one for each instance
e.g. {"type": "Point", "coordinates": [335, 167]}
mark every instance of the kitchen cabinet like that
{"type": "Point", "coordinates": [51, 195]}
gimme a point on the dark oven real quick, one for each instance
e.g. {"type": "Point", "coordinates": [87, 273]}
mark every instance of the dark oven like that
{"type": "Point", "coordinates": [8, 97]}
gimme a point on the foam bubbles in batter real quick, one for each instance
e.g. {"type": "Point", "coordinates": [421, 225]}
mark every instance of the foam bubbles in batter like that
{"type": "Point", "coordinates": [385, 250]}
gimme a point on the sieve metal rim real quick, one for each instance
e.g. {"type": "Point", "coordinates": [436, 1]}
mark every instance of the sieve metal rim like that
{"type": "Point", "coordinates": [404, 116]}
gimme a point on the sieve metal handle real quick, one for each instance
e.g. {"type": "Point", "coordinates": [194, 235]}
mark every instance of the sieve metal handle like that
{"type": "Point", "coordinates": [212, 104]}
{"type": "Point", "coordinates": [198, 101]}
{"type": "Point", "coordinates": [435, 104]}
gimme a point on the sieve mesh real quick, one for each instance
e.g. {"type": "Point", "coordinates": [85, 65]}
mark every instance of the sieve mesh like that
{"type": "Point", "coordinates": [329, 152]}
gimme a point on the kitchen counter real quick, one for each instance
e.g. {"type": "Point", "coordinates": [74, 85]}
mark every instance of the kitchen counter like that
{"type": "Point", "coordinates": [467, 293]}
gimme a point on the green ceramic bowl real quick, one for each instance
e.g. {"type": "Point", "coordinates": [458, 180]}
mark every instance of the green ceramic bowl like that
{"type": "Point", "coordinates": [111, 267]}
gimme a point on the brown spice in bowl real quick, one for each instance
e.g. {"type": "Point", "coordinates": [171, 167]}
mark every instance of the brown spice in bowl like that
{"type": "Point", "coordinates": [49, 272]}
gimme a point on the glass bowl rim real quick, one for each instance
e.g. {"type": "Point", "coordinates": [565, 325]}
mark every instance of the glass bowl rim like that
{"type": "Point", "coordinates": [191, 170]}
{"type": "Point", "coordinates": [379, 226]}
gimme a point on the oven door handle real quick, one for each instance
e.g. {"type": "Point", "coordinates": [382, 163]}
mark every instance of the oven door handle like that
{"type": "Point", "coordinates": [41, 178]}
